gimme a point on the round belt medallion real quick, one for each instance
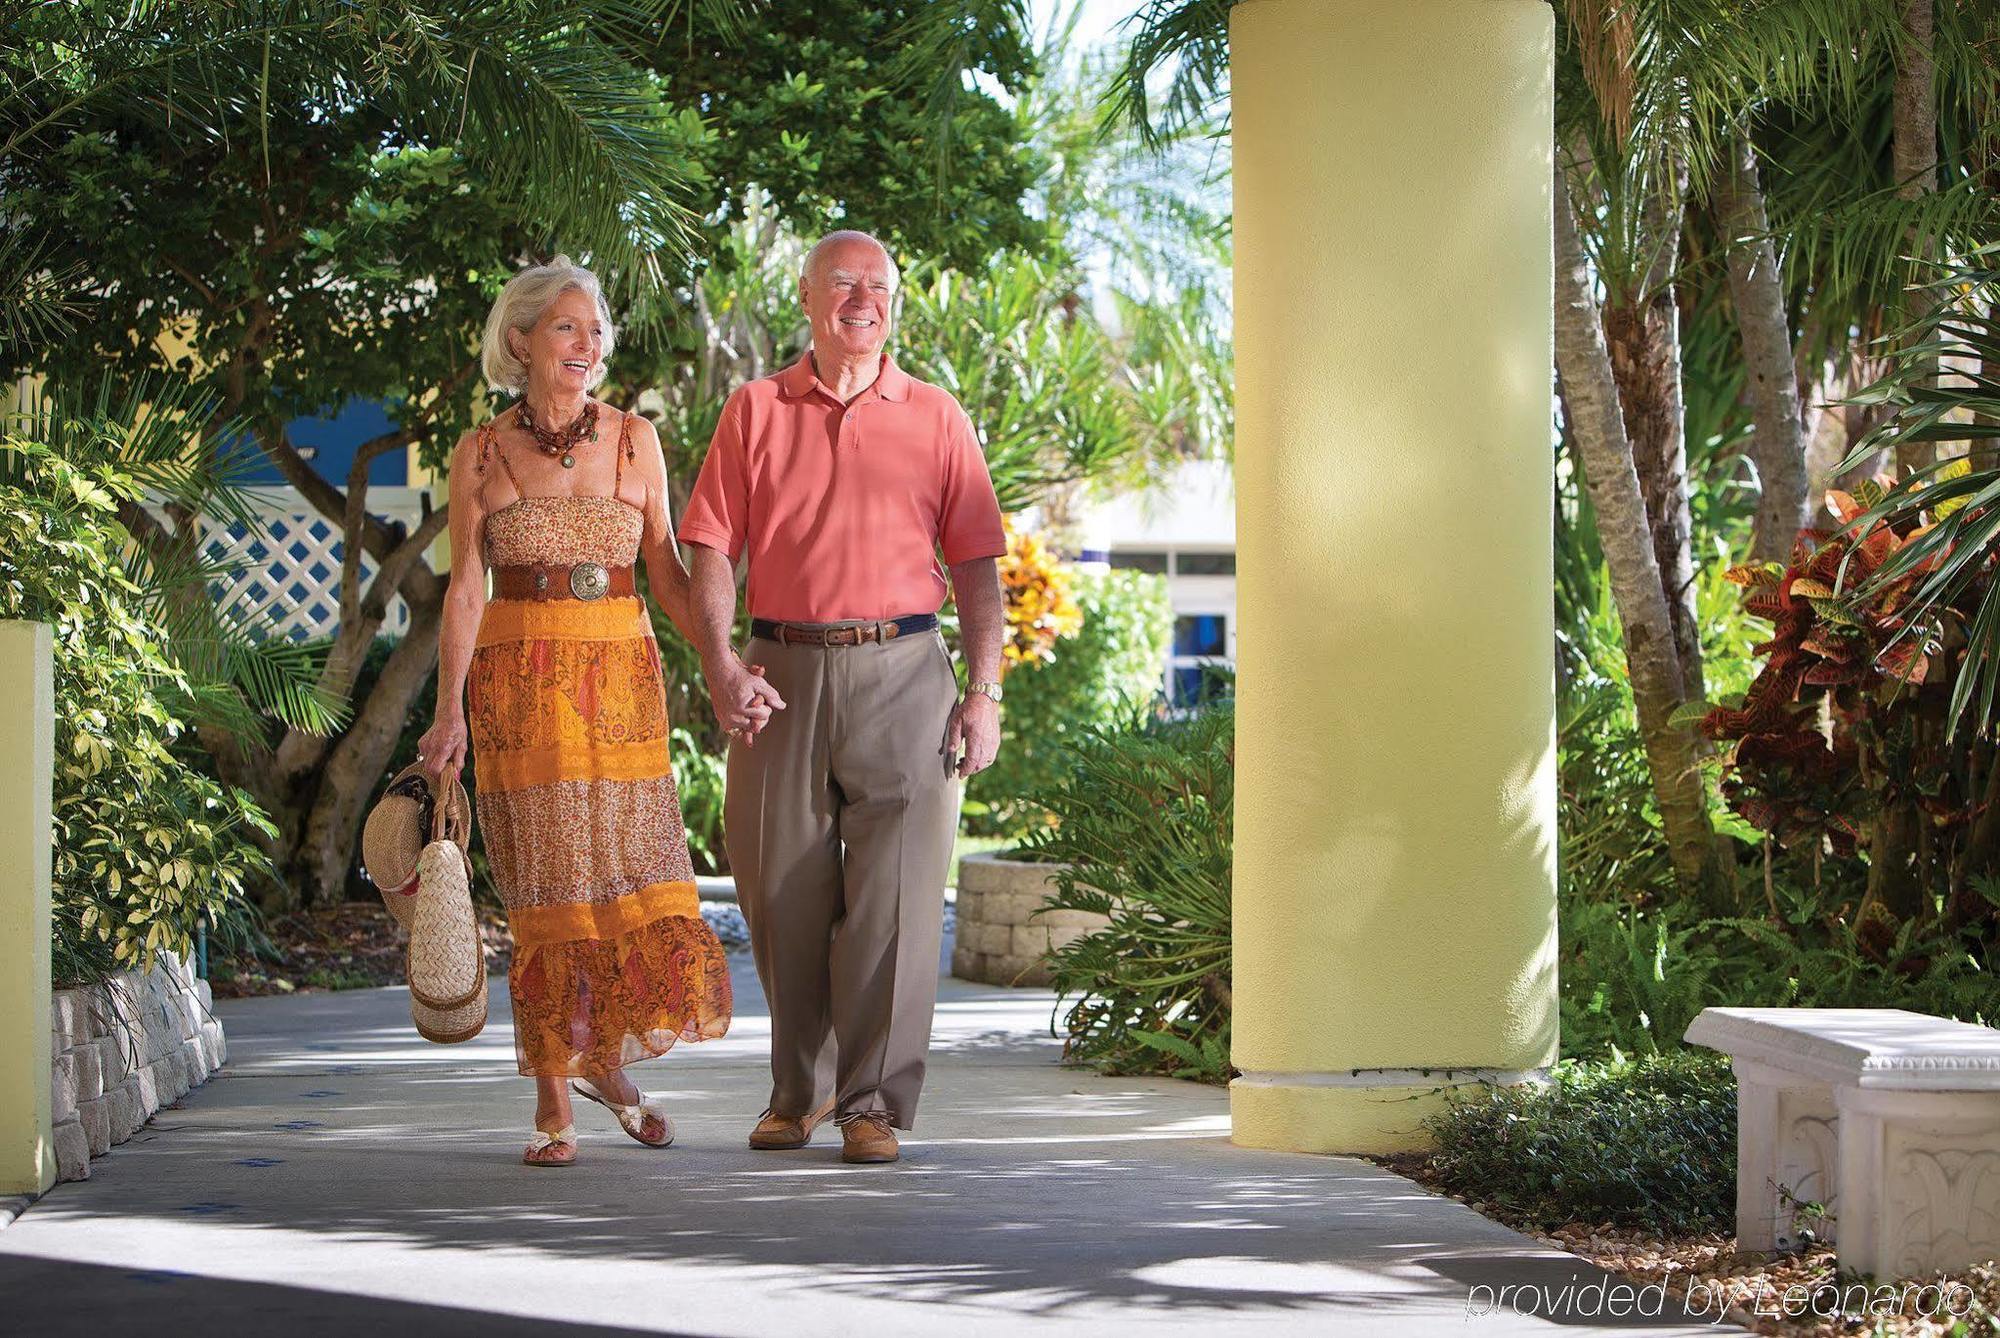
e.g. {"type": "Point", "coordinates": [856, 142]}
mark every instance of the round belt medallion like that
{"type": "Point", "coordinates": [589, 580]}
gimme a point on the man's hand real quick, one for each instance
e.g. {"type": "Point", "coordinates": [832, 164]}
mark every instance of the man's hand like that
{"type": "Point", "coordinates": [740, 697]}
{"type": "Point", "coordinates": [975, 726]}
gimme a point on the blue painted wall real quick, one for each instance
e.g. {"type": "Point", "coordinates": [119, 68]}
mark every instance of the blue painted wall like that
{"type": "Point", "coordinates": [333, 442]}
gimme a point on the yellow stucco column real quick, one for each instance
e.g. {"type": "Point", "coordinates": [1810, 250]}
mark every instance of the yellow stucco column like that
{"type": "Point", "coordinates": [27, 741]}
{"type": "Point", "coordinates": [1395, 811]}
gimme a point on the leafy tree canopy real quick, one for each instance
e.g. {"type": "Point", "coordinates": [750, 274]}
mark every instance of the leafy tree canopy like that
{"type": "Point", "coordinates": [308, 214]}
{"type": "Point", "coordinates": [857, 113]}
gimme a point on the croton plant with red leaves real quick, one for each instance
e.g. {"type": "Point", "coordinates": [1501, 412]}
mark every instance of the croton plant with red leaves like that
{"type": "Point", "coordinates": [1832, 730]}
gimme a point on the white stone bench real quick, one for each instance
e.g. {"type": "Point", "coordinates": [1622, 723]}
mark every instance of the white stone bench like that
{"type": "Point", "coordinates": [1891, 1119]}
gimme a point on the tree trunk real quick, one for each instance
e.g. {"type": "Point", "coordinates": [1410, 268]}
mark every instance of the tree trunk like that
{"type": "Point", "coordinates": [1591, 406]}
{"type": "Point", "coordinates": [1642, 336]}
{"type": "Point", "coordinates": [1914, 153]}
{"type": "Point", "coordinates": [341, 789]}
{"type": "Point", "coordinates": [1778, 436]}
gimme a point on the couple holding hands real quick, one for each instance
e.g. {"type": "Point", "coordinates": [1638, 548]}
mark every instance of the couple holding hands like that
{"type": "Point", "coordinates": [840, 481]}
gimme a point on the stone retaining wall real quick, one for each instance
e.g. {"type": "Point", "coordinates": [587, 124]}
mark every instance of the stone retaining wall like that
{"type": "Point", "coordinates": [999, 940]}
{"type": "Point", "coordinates": [122, 1050]}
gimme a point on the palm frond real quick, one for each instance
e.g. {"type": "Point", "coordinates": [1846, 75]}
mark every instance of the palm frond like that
{"type": "Point", "coordinates": [1948, 511]}
{"type": "Point", "coordinates": [1192, 38]}
{"type": "Point", "coordinates": [939, 51]}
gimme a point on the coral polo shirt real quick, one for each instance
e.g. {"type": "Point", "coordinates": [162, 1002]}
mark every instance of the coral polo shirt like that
{"type": "Point", "coordinates": [844, 508]}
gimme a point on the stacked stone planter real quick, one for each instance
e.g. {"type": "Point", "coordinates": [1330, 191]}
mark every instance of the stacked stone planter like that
{"type": "Point", "coordinates": [1000, 940]}
{"type": "Point", "coordinates": [122, 1050]}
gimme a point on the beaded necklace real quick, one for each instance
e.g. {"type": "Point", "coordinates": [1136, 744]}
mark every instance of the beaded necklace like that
{"type": "Point", "coordinates": [559, 442]}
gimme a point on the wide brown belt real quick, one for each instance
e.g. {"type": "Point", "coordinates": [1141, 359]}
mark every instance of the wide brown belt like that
{"type": "Point", "coordinates": [583, 580]}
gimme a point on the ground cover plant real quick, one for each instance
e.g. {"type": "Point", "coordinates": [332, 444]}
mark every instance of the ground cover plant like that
{"type": "Point", "coordinates": [1648, 1141]}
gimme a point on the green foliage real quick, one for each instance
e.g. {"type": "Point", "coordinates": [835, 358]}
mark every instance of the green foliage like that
{"type": "Point", "coordinates": [1112, 662]}
{"type": "Point", "coordinates": [698, 776]}
{"type": "Point", "coordinates": [1637, 963]}
{"type": "Point", "coordinates": [145, 846]}
{"type": "Point", "coordinates": [1645, 1143]}
{"type": "Point", "coordinates": [198, 161]}
{"type": "Point", "coordinates": [829, 112]}
{"type": "Point", "coordinates": [1143, 822]}
{"type": "Point", "coordinates": [237, 677]}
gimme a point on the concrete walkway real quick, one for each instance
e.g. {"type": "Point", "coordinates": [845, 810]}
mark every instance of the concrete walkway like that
{"type": "Point", "coordinates": [342, 1177]}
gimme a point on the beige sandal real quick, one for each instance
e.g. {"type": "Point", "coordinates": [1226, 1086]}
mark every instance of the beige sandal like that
{"type": "Point", "coordinates": [563, 1137]}
{"type": "Point", "coordinates": [632, 1118]}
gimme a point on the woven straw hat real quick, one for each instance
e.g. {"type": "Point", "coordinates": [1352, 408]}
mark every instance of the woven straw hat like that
{"type": "Point", "coordinates": [394, 835]}
{"type": "Point", "coordinates": [410, 813]}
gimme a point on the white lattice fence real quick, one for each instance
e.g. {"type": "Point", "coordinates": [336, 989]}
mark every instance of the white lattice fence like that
{"type": "Point", "coordinates": [288, 570]}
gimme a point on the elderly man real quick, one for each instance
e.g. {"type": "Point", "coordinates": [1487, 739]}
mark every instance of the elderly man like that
{"type": "Point", "coordinates": [842, 479]}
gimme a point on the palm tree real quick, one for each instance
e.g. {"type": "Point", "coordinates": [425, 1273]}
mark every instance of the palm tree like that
{"type": "Point", "coordinates": [1673, 121]}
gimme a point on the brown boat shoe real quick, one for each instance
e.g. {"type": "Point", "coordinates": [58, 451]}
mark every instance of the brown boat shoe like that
{"type": "Point", "coordinates": [868, 1137]}
{"type": "Point", "coordinates": [777, 1133]}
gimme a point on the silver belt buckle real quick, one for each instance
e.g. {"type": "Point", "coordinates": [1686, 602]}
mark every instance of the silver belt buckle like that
{"type": "Point", "coordinates": [589, 580]}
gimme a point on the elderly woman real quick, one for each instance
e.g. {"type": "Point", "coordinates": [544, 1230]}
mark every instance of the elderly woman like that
{"type": "Point", "coordinates": [567, 714]}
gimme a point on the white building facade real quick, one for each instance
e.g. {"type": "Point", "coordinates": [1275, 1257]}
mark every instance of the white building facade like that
{"type": "Point", "coordinates": [1182, 528]}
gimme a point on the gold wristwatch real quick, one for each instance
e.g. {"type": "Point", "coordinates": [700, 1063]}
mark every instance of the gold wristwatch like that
{"type": "Point", "coordinates": [985, 689]}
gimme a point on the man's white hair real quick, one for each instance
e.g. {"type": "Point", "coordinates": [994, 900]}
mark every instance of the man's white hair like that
{"type": "Point", "coordinates": [521, 305]}
{"type": "Point", "coordinates": [833, 239]}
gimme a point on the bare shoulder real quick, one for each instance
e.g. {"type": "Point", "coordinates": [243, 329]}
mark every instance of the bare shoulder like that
{"type": "Point", "coordinates": [463, 470]}
{"type": "Point", "coordinates": [645, 436]}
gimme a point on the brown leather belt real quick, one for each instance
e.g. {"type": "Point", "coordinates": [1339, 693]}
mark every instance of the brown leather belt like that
{"type": "Point", "coordinates": [814, 634]}
{"type": "Point", "coordinates": [584, 580]}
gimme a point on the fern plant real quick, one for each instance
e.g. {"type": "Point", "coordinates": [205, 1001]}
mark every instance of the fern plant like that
{"type": "Point", "coordinates": [1143, 826]}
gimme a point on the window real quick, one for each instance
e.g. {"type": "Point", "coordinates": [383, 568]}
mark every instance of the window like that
{"type": "Point", "coordinates": [1205, 634]}
{"type": "Point", "coordinates": [1199, 668]}
{"type": "Point", "coordinates": [1205, 564]}
{"type": "Point", "coordinates": [1207, 680]}
{"type": "Point", "coordinates": [1141, 560]}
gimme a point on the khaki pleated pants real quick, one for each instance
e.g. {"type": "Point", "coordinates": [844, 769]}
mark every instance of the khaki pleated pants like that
{"type": "Point", "coordinates": [839, 824]}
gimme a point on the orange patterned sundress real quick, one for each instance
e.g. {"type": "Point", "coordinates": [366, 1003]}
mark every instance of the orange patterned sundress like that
{"type": "Point", "coordinates": [577, 807]}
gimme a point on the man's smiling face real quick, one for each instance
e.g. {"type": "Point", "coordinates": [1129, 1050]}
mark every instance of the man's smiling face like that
{"type": "Point", "coordinates": [847, 295]}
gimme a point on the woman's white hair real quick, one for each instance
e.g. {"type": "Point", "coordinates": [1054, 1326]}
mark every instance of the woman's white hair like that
{"type": "Point", "coordinates": [521, 305]}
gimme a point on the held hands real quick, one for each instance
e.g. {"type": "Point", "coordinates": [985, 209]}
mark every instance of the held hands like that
{"type": "Point", "coordinates": [741, 699]}
{"type": "Point", "coordinates": [442, 748]}
{"type": "Point", "coordinates": [975, 726]}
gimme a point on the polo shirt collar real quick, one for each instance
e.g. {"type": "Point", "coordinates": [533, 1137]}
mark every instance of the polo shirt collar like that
{"type": "Point", "coordinates": [891, 383]}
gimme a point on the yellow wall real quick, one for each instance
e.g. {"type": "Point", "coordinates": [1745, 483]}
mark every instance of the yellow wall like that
{"type": "Point", "coordinates": [27, 741]}
{"type": "Point", "coordinates": [1395, 852]}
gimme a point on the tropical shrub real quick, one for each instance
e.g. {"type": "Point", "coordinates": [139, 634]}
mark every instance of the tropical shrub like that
{"type": "Point", "coordinates": [1843, 743]}
{"type": "Point", "coordinates": [1040, 608]}
{"type": "Point", "coordinates": [145, 846]}
{"type": "Point", "coordinates": [1143, 823]}
{"type": "Point", "coordinates": [1649, 1143]}
{"type": "Point", "coordinates": [1088, 680]}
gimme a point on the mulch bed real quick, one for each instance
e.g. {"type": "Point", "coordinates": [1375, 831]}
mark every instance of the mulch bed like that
{"type": "Point", "coordinates": [350, 946]}
{"type": "Point", "coordinates": [1752, 1289]}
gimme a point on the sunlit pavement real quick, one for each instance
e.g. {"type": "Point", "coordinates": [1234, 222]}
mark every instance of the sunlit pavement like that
{"type": "Point", "coordinates": [341, 1176]}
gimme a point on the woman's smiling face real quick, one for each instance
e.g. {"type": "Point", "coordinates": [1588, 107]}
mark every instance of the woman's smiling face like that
{"type": "Point", "coordinates": [565, 347]}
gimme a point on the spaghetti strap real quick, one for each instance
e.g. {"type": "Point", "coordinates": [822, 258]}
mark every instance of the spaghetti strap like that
{"type": "Point", "coordinates": [493, 440]}
{"type": "Point", "coordinates": [625, 450]}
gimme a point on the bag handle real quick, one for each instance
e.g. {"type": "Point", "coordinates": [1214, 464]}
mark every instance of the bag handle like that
{"type": "Point", "coordinates": [451, 818]}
